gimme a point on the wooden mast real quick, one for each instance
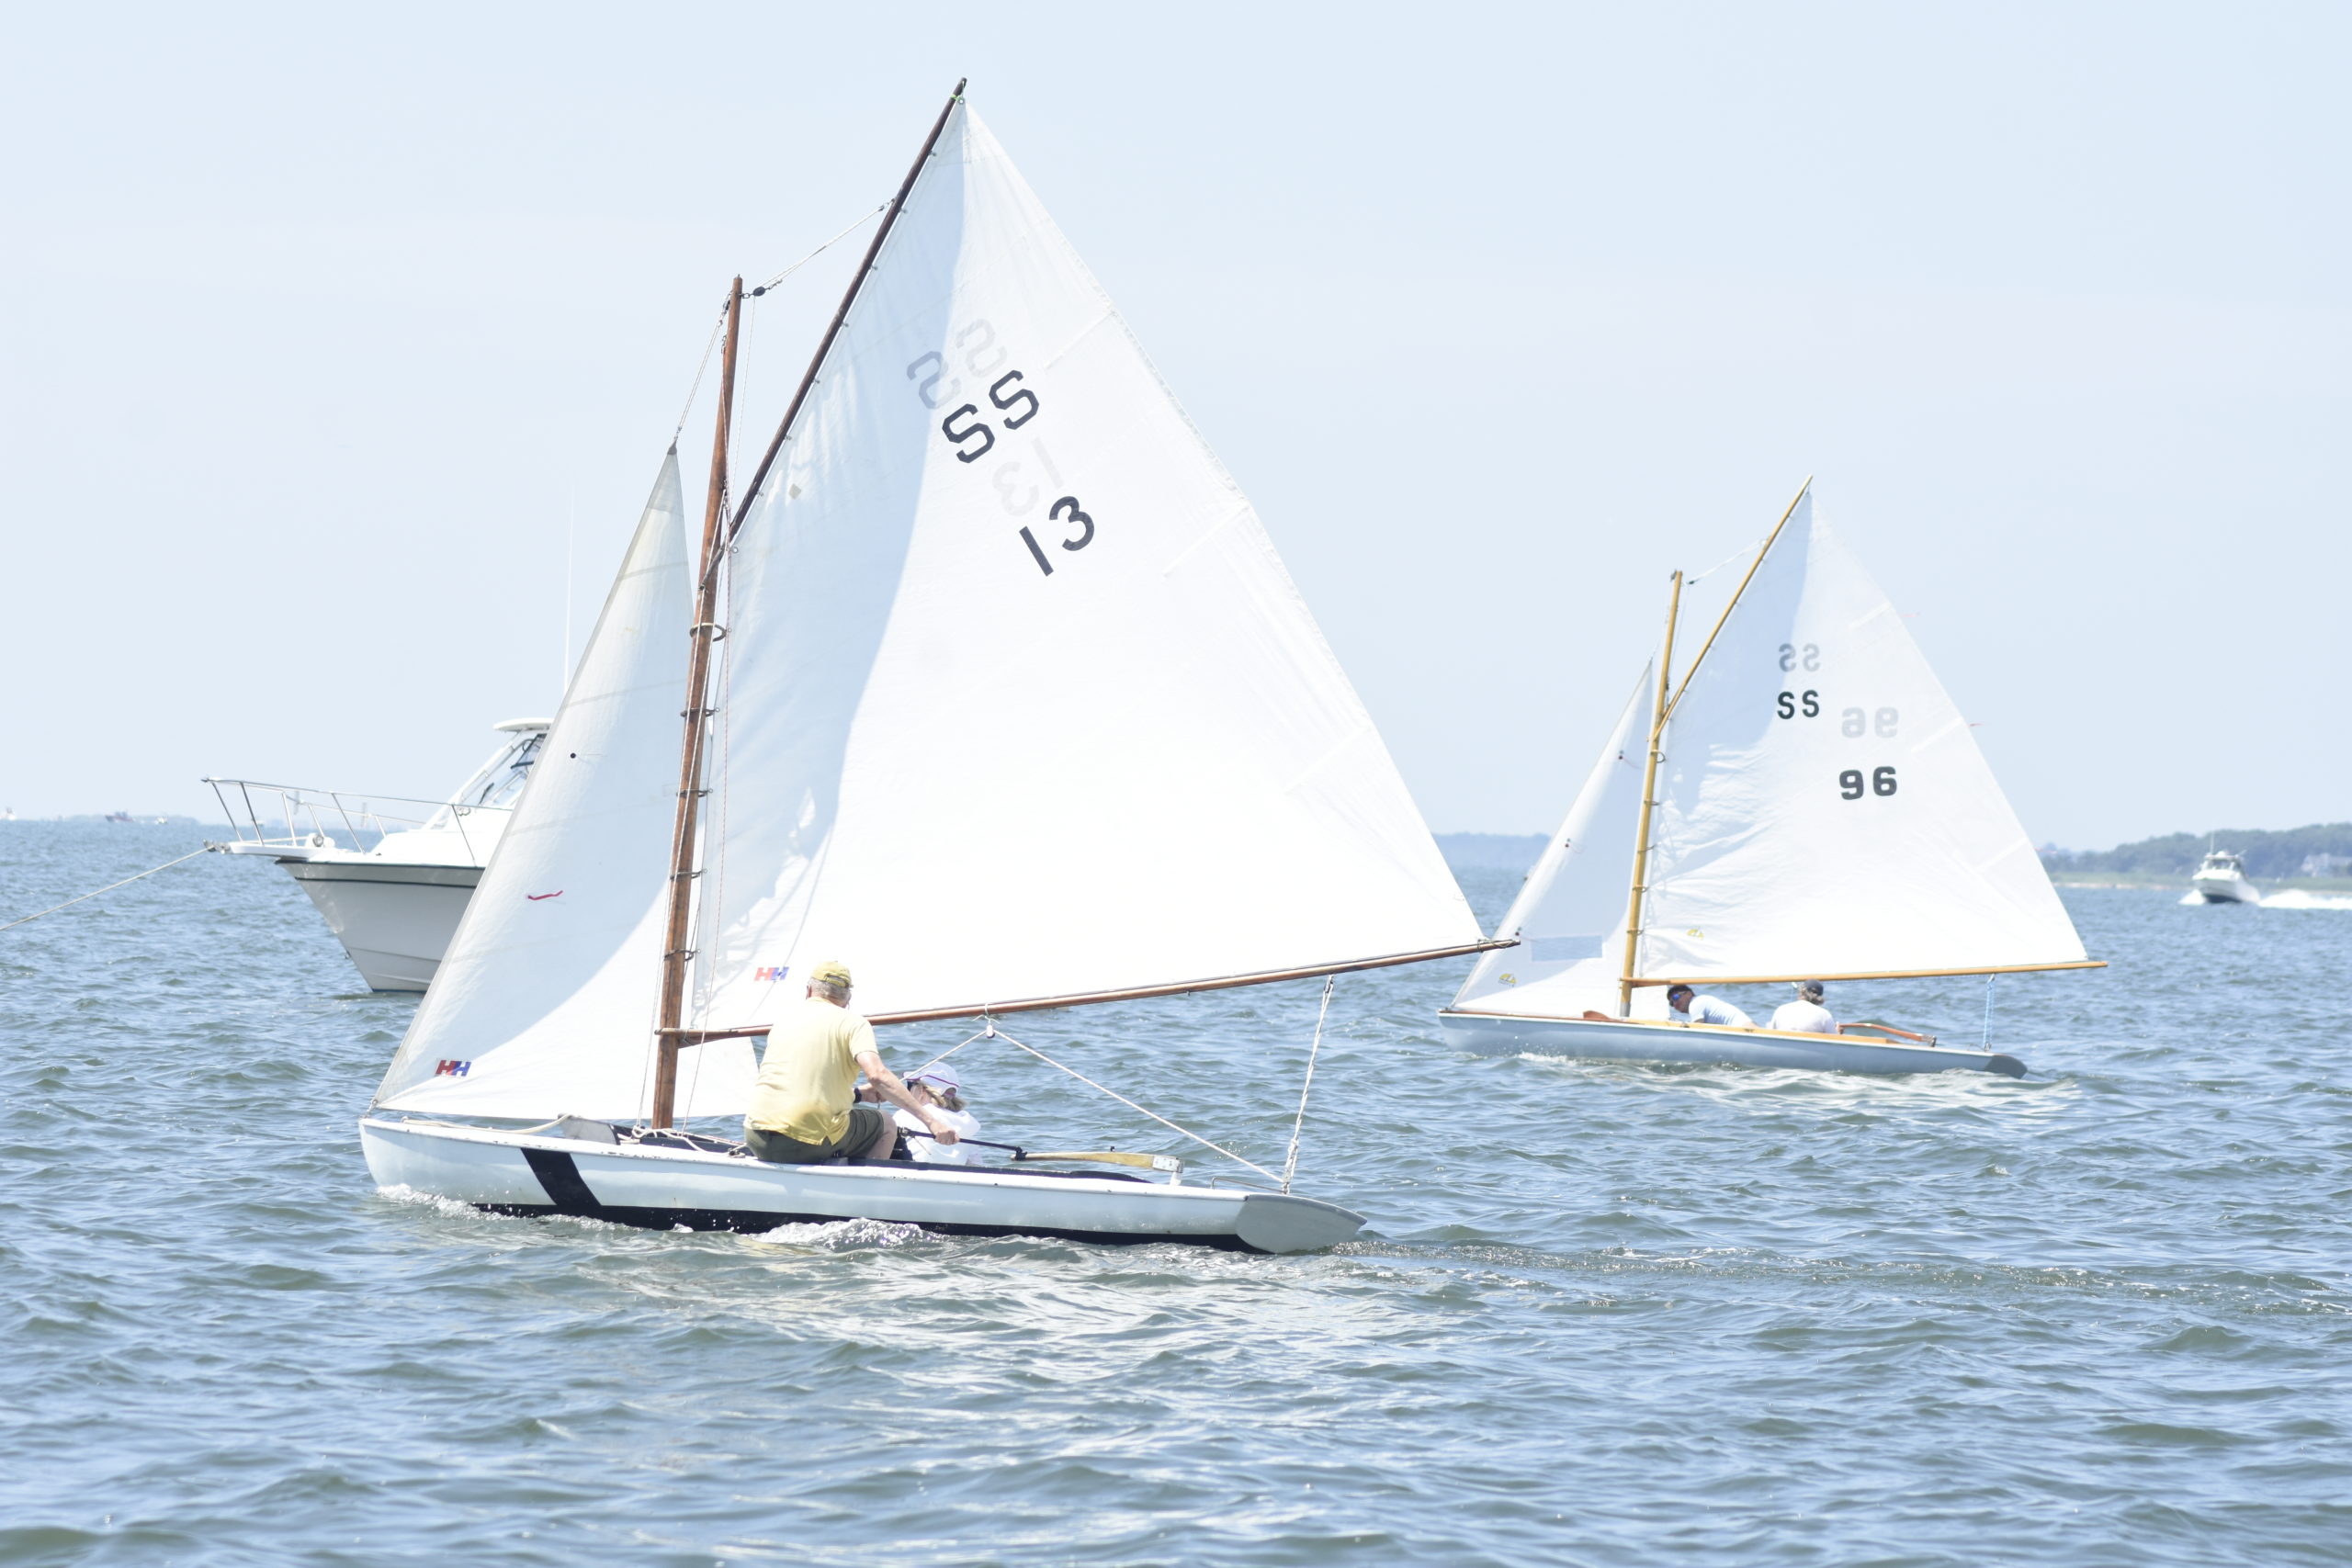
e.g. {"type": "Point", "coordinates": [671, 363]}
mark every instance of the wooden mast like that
{"type": "Point", "coordinates": [675, 952]}
{"type": "Point", "coordinates": [1762, 550]}
{"type": "Point", "coordinates": [668, 1037]}
{"type": "Point", "coordinates": [1649, 799]}
{"type": "Point", "coordinates": [1665, 710]}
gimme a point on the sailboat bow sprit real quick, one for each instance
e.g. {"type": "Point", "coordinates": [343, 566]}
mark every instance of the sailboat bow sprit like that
{"type": "Point", "coordinates": [1012, 704]}
{"type": "Point", "coordinates": [1806, 803]}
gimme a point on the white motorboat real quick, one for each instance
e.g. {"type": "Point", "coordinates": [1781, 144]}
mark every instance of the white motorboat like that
{"type": "Point", "coordinates": [1806, 804]}
{"type": "Point", "coordinates": [1011, 710]}
{"type": "Point", "coordinates": [2220, 879]}
{"type": "Point", "coordinates": [391, 887]}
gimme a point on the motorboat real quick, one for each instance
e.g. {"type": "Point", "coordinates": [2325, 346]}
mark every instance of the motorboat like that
{"type": "Point", "coordinates": [1805, 802]}
{"type": "Point", "coordinates": [392, 888]}
{"type": "Point", "coordinates": [2220, 879]}
{"type": "Point", "coordinates": [993, 687]}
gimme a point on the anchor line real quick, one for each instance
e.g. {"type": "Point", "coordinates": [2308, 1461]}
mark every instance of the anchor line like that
{"type": "Point", "coordinates": [107, 888]}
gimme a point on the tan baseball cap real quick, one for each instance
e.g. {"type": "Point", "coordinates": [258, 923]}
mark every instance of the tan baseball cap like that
{"type": "Point", "coordinates": [832, 972]}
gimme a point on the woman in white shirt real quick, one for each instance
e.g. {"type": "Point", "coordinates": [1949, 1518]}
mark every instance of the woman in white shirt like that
{"type": "Point", "coordinates": [937, 1087]}
{"type": "Point", "coordinates": [1805, 1015]}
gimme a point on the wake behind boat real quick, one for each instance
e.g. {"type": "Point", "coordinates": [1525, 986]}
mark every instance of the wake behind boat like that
{"type": "Point", "coordinates": [1807, 804]}
{"type": "Point", "coordinates": [1013, 706]}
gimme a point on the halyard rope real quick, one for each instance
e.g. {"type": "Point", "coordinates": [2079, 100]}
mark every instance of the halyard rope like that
{"type": "Point", "coordinates": [1290, 1165]}
{"type": "Point", "coordinates": [96, 891]}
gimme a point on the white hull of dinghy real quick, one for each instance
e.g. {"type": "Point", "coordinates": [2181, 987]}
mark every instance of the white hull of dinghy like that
{"type": "Point", "coordinates": [530, 1173]}
{"type": "Point", "coordinates": [395, 920]}
{"type": "Point", "coordinates": [1499, 1034]}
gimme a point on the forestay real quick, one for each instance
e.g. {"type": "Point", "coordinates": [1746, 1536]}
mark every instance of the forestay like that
{"type": "Point", "coordinates": [1020, 701]}
{"type": "Point", "coordinates": [1823, 807]}
{"type": "Point", "coordinates": [1570, 912]}
{"type": "Point", "coordinates": [544, 1002]}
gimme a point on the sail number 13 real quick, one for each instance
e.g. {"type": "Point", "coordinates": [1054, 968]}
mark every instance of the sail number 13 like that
{"type": "Point", "coordinates": [972, 437]}
{"type": "Point", "coordinates": [1849, 782]}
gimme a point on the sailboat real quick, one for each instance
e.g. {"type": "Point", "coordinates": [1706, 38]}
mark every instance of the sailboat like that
{"type": "Point", "coordinates": [994, 688]}
{"type": "Point", "coordinates": [1804, 803]}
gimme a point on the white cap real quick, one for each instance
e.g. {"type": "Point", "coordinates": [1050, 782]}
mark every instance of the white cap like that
{"type": "Point", "coordinates": [941, 1074]}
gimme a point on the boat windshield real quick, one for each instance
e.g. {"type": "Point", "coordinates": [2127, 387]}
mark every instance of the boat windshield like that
{"type": "Point", "coordinates": [498, 781]}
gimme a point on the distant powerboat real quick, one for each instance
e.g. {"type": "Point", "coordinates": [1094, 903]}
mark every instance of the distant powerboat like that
{"type": "Point", "coordinates": [394, 903]}
{"type": "Point", "coordinates": [2220, 879]}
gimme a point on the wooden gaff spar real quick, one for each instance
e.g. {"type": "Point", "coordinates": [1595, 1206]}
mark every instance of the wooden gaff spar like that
{"type": "Point", "coordinates": [1809, 805]}
{"type": "Point", "coordinates": [994, 688]}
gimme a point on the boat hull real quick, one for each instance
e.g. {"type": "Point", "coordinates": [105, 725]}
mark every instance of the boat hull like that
{"type": "Point", "coordinates": [2226, 890]}
{"type": "Point", "coordinates": [1499, 1034]}
{"type": "Point", "coordinates": [394, 920]}
{"type": "Point", "coordinates": [531, 1173]}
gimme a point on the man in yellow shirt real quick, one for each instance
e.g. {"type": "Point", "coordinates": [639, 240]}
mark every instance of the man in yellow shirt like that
{"type": "Point", "coordinates": [801, 1109]}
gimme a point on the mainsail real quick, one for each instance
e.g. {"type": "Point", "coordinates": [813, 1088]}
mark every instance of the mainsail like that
{"type": "Point", "coordinates": [1824, 808]}
{"type": "Point", "coordinates": [1018, 702]}
{"type": "Point", "coordinates": [544, 1004]}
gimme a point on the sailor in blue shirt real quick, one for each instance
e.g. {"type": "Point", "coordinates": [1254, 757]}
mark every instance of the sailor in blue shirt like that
{"type": "Point", "coordinates": [1690, 1007]}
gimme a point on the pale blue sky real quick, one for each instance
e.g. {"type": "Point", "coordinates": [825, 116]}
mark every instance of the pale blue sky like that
{"type": "Point", "coordinates": [321, 327]}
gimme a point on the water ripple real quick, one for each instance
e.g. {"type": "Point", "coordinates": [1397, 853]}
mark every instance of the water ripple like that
{"type": "Point", "coordinates": [1604, 1314]}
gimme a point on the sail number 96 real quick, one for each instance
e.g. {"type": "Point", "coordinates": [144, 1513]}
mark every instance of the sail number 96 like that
{"type": "Point", "coordinates": [1850, 784]}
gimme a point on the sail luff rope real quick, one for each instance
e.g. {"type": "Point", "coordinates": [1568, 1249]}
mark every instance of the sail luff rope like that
{"type": "Point", "coordinates": [1289, 1162]}
{"type": "Point", "coordinates": [1130, 1104]}
{"type": "Point", "coordinates": [110, 887]}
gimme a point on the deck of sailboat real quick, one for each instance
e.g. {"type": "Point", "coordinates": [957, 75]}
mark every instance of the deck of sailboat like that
{"type": "Point", "coordinates": [1660, 1040]}
{"type": "Point", "coordinates": [653, 1187]}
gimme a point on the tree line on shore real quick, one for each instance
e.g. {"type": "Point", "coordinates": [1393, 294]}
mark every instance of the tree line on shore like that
{"type": "Point", "coordinates": [2323, 849]}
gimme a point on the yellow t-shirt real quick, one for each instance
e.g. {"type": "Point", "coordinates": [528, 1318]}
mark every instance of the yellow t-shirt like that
{"type": "Point", "coordinates": [809, 1077]}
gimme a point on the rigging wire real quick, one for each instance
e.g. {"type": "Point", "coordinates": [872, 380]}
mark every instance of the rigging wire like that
{"type": "Point", "coordinates": [820, 251]}
{"type": "Point", "coordinates": [1114, 1094]}
{"type": "Point", "coordinates": [700, 370]}
{"type": "Point", "coordinates": [1290, 1164]}
{"type": "Point", "coordinates": [1744, 551]}
{"type": "Point", "coordinates": [107, 888]}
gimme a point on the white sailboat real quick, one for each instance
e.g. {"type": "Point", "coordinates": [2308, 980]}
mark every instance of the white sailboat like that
{"type": "Point", "coordinates": [1012, 706]}
{"type": "Point", "coordinates": [1806, 803]}
{"type": "Point", "coordinates": [392, 888]}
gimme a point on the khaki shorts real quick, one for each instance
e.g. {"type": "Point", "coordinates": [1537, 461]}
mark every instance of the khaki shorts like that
{"type": "Point", "coordinates": [866, 1125]}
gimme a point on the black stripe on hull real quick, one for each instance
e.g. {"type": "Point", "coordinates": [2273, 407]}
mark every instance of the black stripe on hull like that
{"type": "Point", "coordinates": [559, 1173]}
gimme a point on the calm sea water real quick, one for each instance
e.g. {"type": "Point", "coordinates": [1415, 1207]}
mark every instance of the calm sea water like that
{"type": "Point", "coordinates": [1605, 1314]}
